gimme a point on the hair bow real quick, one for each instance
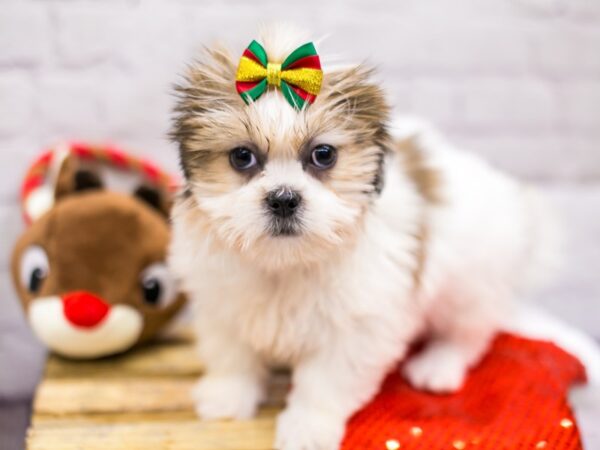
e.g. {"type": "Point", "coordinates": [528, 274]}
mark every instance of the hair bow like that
{"type": "Point", "coordinates": [299, 76]}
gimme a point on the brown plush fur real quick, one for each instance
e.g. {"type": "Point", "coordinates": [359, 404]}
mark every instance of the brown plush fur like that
{"type": "Point", "coordinates": [100, 242]}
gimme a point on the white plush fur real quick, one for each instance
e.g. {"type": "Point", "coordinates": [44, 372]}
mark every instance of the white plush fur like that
{"type": "Point", "coordinates": [117, 332]}
{"type": "Point", "coordinates": [339, 302]}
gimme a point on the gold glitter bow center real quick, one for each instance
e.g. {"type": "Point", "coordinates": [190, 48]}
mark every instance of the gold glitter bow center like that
{"type": "Point", "coordinates": [274, 74]}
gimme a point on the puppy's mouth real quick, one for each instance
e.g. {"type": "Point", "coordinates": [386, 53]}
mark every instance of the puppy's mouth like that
{"type": "Point", "coordinates": [289, 226]}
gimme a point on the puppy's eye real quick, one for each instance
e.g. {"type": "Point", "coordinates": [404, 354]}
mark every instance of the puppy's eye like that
{"type": "Point", "coordinates": [323, 156]}
{"type": "Point", "coordinates": [34, 268]}
{"type": "Point", "coordinates": [157, 285]}
{"type": "Point", "coordinates": [242, 158]}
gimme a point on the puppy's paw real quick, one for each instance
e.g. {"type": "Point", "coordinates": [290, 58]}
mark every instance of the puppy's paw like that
{"type": "Point", "coordinates": [232, 397]}
{"type": "Point", "coordinates": [439, 368]}
{"type": "Point", "coordinates": [306, 429]}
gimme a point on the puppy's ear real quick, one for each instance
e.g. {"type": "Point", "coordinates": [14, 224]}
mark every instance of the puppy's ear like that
{"type": "Point", "coordinates": [208, 89]}
{"type": "Point", "coordinates": [353, 93]}
{"type": "Point", "coordinates": [208, 82]}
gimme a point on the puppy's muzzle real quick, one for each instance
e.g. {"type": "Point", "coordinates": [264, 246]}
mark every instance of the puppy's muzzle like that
{"type": "Point", "coordinates": [283, 202]}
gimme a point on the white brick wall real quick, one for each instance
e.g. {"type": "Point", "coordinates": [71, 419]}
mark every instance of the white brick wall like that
{"type": "Point", "coordinates": [494, 71]}
{"type": "Point", "coordinates": [16, 107]}
{"type": "Point", "coordinates": [24, 34]}
{"type": "Point", "coordinates": [517, 81]}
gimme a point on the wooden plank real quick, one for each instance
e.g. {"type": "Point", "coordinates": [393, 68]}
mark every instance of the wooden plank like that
{"type": "Point", "coordinates": [61, 397]}
{"type": "Point", "coordinates": [254, 434]}
{"type": "Point", "coordinates": [172, 356]}
{"type": "Point", "coordinates": [41, 421]}
{"type": "Point", "coordinates": [93, 396]}
{"type": "Point", "coordinates": [140, 400]}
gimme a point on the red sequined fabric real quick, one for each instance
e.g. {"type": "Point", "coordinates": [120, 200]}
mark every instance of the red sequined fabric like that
{"type": "Point", "coordinates": [515, 399]}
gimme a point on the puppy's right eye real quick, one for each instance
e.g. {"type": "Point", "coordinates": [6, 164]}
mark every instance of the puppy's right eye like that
{"type": "Point", "coordinates": [242, 158]}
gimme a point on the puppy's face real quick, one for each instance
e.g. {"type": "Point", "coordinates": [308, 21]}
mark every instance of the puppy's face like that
{"type": "Point", "coordinates": [277, 185]}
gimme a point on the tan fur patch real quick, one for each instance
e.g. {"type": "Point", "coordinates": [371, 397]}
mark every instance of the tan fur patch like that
{"type": "Point", "coordinates": [428, 182]}
{"type": "Point", "coordinates": [426, 179]}
{"type": "Point", "coordinates": [421, 253]}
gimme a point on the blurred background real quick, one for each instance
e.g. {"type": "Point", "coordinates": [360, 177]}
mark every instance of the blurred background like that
{"type": "Point", "coordinates": [516, 81]}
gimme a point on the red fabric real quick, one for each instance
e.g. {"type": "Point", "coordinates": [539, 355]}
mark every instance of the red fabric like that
{"type": "Point", "coordinates": [118, 158]}
{"type": "Point", "coordinates": [243, 86]}
{"type": "Point", "coordinates": [34, 176]}
{"type": "Point", "coordinates": [37, 174]}
{"type": "Point", "coordinates": [82, 150]}
{"type": "Point", "coordinates": [44, 159]}
{"type": "Point", "coordinates": [83, 309]}
{"type": "Point", "coordinates": [308, 62]}
{"type": "Point", "coordinates": [30, 183]}
{"type": "Point", "coordinates": [515, 399]}
{"type": "Point", "coordinates": [310, 98]}
{"type": "Point", "coordinates": [248, 54]}
{"type": "Point", "coordinates": [151, 171]}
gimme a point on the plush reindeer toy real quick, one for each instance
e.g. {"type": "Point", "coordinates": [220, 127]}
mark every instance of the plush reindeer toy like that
{"type": "Point", "coordinates": [90, 268]}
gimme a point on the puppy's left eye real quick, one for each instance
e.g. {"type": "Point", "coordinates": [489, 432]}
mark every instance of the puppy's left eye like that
{"type": "Point", "coordinates": [157, 285]}
{"type": "Point", "coordinates": [323, 156]}
{"type": "Point", "coordinates": [242, 158]}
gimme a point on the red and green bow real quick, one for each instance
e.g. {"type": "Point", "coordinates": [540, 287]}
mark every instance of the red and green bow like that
{"type": "Point", "coordinates": [299, 76]}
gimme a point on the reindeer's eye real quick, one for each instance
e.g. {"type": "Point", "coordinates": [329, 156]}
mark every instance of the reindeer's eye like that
{"type": "Point", "coordinates": [157, 285]}
{"type": "Point", "coordinates": [34, 268]}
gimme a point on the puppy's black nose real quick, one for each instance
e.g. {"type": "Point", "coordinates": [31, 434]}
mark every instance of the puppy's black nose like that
{"type": "Point", "coordinates": [283, 202]}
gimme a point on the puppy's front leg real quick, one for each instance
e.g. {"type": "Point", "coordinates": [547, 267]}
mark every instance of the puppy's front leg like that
{"type": "Point", "coordinates": [327, 389]}
{"type": "Point", "coordinates": [234, 382]}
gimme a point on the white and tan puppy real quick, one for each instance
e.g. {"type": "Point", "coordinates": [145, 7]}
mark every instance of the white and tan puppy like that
{"type": "Point", "coordinates": [329, 240]}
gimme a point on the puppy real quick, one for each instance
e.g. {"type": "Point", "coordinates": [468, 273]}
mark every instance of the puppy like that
{"type": "Point", "coordinates": [328, 239]}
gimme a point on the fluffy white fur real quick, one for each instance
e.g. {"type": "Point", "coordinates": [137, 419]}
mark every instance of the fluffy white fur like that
{"type": "Point", "coordinates": [339, 303]}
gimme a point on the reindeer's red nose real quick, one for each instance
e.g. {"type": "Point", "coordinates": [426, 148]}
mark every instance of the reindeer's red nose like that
{"type": "Point", "coordinates": [84, 309]}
